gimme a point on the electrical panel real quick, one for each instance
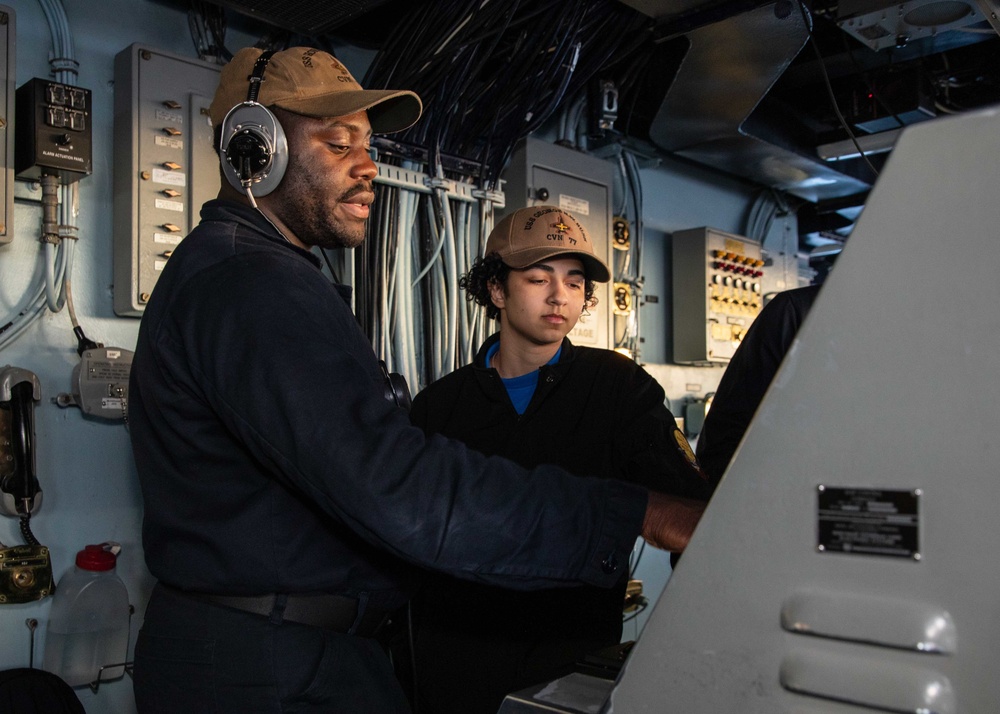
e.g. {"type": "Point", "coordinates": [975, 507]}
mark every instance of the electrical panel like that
{"type": "Point", "coordinates": [717, 293]}
{"type": "Point", "coordinates": [7, 77]}
{"type": "Point", "coordinates": [165, 164]}
{"type": "Point", "coordinates": [543, 173]}
{"type": "Point", "coordinates": [54, 135]}
{"type": "Point", "coordinates": [100, 383]}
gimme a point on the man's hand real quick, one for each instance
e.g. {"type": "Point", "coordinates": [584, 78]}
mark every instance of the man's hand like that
{"type": "Point", "coordinates": [670, 521]}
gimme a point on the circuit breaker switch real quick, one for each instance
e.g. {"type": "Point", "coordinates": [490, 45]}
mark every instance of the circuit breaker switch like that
{"type": "Point", "coordinates": [170, 192]}
{"type": "Point", "coordinates": [77, 98]}
{"type": "Point", "coordinates": [56, 116]}
{"type": "Point", "coordinates": [171, 131]}
{"type": "Point", "coordinates": [171, 104]}
{"type": "Point", "coordinates": [170, 228]}
{"type": "Point", "coordinates": [171, 165]}
{"type": "Point", "coordinates": [56, 94]}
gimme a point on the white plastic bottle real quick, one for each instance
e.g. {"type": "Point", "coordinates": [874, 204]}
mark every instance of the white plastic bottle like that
{"type": "Point", "coordinates": [89, 620]}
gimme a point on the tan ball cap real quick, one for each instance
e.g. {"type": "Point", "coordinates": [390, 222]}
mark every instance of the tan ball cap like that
{"type": "Point", "coordinates": [314, 83]}
{"type": "Point", "coordinates": [530, 235]}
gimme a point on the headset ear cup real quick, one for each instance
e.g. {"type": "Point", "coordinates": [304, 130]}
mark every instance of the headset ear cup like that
{"type": "Point", "coordinates": [253, 149]}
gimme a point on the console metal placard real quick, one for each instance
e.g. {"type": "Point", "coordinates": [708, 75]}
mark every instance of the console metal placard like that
{"type": "Point", "coordinates": [869, 521]}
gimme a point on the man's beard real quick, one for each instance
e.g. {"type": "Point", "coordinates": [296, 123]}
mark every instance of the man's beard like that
{"type": "Point", "coordinates": [307, 216]}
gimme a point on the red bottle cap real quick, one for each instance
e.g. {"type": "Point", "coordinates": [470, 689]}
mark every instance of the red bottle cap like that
{"type": "Point", "coordinates": [95, 557]}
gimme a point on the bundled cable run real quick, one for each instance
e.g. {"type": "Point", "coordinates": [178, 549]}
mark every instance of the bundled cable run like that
{"type": "Point", "coordinates": [207, 23]}
{"type": "Point", "coordinates": [489, 73]}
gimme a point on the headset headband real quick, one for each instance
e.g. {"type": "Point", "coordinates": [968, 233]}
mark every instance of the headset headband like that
{"type": "Point", "coordinates": [257, 76]}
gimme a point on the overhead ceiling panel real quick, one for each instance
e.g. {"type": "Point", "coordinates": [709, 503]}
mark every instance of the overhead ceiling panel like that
{"type": "Point", "coordinates": [306, 17]}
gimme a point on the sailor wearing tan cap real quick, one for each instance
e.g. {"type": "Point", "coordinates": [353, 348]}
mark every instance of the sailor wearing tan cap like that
{"type": "Point", "coordinates": [288, 503]}
{"type": "Point", "coordinates": [533, 396]}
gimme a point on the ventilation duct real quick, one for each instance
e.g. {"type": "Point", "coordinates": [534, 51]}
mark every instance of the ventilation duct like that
{"type": "Point", "coordinates": [728, 68]}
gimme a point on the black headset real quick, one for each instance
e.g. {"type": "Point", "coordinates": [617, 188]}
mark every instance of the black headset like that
{"type": "Point", "coordinates": [252, 144]}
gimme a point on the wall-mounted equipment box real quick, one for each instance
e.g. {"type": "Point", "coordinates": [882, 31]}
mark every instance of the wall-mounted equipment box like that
{"type": "Point", "coordinates": [165, 164]}
{"type": "Point", "coordinates": [54, 135]}
{"type": "Point", "coordinates": [717, 293]}
{"type": "Point", "coordinates": [7, 77]}
{"type": "Point", "coordinates": [543, 173]}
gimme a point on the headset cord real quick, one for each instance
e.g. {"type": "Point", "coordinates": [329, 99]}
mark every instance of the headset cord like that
{"type": "Point", "coordinates": [246, 187]}
{"type": "Point", "coordinates": [266, 218]}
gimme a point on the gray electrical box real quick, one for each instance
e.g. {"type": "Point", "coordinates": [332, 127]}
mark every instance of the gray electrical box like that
{"type": "Point", "coordinates": [543, 173]}
{"type": "Point", "coordinates": [165, 164]}
{"type": "Point", "coordinates": [100, 383]}
{"type": "Point", "coordinates": [717, 293]}
{"type": "Point", "coordinates": [7, 76]}
{"type": "Point", "coordinates": [54, 131]}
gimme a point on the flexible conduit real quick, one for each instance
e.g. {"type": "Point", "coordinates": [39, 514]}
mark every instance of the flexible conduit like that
{"type": "Point", "coordinates": [51, 292]}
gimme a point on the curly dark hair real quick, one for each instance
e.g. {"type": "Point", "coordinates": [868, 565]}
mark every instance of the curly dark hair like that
{"type": "Point", "coordinates": [491, 269]}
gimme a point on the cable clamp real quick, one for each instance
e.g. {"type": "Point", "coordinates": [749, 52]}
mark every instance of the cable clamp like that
{"type": "Point", "coordinates": [440, 183]}
{"type": "Point", "coordinates": [65, 64]}
{"type": "Point", "coordinates": [497, 198]}
{"type": "Point", "coordinates": [56, 234]}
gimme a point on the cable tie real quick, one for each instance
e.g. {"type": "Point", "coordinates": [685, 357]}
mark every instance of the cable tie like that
{"type": "Point", "coordinates": [69, 232]}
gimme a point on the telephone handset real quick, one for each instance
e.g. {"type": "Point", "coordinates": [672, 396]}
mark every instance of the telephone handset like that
{"type": "Point", "coordinates": [26, 574]}
{"type": "Point", "coordinates": [20, 494]}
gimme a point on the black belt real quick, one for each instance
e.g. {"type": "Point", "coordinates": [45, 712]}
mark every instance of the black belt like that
{"type": "Point", "coordinates": [329, 612]}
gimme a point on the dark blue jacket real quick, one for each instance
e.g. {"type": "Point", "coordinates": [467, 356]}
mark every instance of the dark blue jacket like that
{"type": "Point", "coordinates": [594, 413]}
{"type": "Point", "coordinates": [270, 460]}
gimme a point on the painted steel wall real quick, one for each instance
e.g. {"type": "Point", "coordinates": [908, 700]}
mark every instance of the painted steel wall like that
{"type": "Point", "coordinates": [85, 467]}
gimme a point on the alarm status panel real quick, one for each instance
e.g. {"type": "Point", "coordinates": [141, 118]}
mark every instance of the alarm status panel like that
{"type": "Point", "coordinates": [717, 293]}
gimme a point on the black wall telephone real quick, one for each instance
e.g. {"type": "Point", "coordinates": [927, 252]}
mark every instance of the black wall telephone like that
{"type": "Point", "coordinates": [19, 390]}
{"type": "Point", "coordinates": [25, 570]}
